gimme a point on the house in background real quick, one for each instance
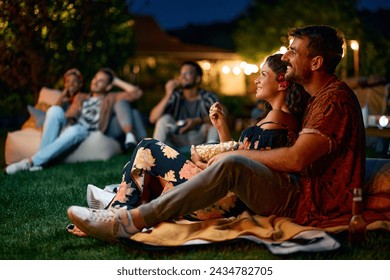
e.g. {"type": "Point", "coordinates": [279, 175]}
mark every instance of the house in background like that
{"type": "Point", "coordinates": [156, 52]}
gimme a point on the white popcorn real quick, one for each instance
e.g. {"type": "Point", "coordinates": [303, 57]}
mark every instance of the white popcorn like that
{"type": "Point", "coordinates": [207, 151]}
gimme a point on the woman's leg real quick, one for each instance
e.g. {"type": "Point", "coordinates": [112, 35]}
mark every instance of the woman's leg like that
{"type": "Point", "coordinates": [151, 163]}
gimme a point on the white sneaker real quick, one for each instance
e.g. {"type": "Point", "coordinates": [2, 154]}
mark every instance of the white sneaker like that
{"type": "Point", "coordinates": [22, 165]}
{"type": "Point", "coordinates": [35, 168]}
{"type": "Point", "coordinates": [112, 188]}
{"type": "Point", "coordinates": [130, 142]}
{"type": "Point", "coordinates": [98, 198]}
{"type": "Point", "coordinates": [108, 225]}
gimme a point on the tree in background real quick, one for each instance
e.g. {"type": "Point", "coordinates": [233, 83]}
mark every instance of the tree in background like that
{"type": "Point", "coordinates": [265, 27]}
{"type": "Point", "coordinates": [40, 40]}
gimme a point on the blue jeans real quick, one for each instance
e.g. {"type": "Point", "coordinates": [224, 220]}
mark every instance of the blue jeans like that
{"type": "Point", "coordinates": [205, 134]}
{"type": "Point", "coordinates": [54, 122]}
{"type": "Point", "coordinates": [124, 115]}
{"type": "Point", "coordinates": [55, 143]}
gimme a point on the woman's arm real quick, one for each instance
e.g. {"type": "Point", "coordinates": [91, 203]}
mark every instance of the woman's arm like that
{"type": "Point", "coordinates": [218, 119]}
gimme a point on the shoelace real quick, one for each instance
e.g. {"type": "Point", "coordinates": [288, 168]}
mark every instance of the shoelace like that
{"type": "Point", "coordinates": [103, 215]}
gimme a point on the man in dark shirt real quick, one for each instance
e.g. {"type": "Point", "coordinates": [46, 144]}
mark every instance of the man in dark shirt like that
{"type": "Point", "coordinates": [182, 115]}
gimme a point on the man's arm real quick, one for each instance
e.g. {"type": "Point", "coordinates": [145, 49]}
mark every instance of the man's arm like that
{"type": "Point", "coordinates": [307, 149]}
{"type": "Point", "coordinates": [130, 92]}
{"type": "Point", "coordinates": [158, 110]}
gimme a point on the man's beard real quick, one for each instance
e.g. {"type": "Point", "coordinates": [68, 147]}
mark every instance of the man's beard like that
{"type": "Point", "coordinates": [189, 85]}
{"type": "Point", "coordinates": [299, 79]}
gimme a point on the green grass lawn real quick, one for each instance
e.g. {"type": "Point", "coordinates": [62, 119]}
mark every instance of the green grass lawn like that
{"type": "Point", "coordinates": [33, 219]}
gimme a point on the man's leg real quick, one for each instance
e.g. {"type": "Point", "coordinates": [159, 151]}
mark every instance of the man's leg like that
{"type": "Point", "coordinates": [126, 124]}
{"type": "Point", "coordinates": [69, 138]}
{"type": "Point", "coordinates": [163, 128]}
{"type": "Point", "coordinates": [54, 122]}
{"type": "Point", "coordinates": [138, 125]}
{"type": "Point", "coordinates": [263, 190]}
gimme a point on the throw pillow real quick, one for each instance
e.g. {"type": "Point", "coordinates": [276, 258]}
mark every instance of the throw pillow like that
{"type": "Point", "coordinates": [37, 114]}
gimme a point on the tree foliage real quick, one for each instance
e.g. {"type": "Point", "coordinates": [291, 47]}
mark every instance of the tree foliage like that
{"type": "Point", "coordinates": [265, 27]}
{"type": "Point", "coordinates": [40, 40]}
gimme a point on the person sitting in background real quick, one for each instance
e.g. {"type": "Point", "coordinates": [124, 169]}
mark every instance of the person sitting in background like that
{"type": "Point", "coordinates": [328, 156]}
{"type": "Point", "coordinates": [55, 116]}
{"type": "Point", "coordinates": [73, 82]}
{"type": "Point", "coordinates": [88, 112]}
{"type": "Point", "coordinates": [181, 116]}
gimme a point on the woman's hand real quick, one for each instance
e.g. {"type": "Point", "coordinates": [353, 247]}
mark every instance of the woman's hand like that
{"type": "Point", "coordinates": [219, 121]}
{"type": "Point", "coordinates": [217, 115]}
{"type": "Point", "coordinates": [195, 158]}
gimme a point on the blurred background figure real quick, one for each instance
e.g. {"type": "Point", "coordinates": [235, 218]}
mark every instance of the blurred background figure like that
{"type": "Point", "coordinates": [181, 117]}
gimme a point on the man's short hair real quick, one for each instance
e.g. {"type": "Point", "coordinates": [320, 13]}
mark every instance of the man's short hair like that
{"type": "Point", "coordinates": [109, 72]}
{"type": "Point", "coordinates": [324, 41]}
{"type": "Point", "coordinates": [197, 67]}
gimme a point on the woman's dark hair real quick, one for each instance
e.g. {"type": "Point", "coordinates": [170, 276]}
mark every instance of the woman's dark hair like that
{"type": "Point", "coordinates": [296, 96]}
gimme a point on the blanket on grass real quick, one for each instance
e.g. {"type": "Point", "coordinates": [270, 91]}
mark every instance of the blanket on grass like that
{"type": "Point", "coordinates": [279, 234]}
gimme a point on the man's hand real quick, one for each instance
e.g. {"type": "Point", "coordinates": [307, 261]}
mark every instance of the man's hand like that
{"type": "Point", "coordinates": [190, 124]}
{"type": "Point", "coordinates": [170, 86]}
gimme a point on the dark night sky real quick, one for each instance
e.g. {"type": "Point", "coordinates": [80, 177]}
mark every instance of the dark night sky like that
{"type": "Point", "coordinates": [171, 14]}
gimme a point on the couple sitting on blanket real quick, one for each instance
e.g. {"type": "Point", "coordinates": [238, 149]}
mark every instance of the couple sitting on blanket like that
{"type": "Point", "coordinates": [308, 176]}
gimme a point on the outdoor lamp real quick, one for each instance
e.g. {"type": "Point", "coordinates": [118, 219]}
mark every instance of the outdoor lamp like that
{"type": "Point", "coordinates": [384, 121]}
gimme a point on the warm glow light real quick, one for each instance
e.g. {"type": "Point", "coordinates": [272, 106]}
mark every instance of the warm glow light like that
{"type": "Point", "coordinates": [243, 65]}
{"type": "Point", "coordinates": [236, 70]}
{"type": "Point", "coordinates": [354, 45]}
{"type": "Point", "coordinates": [225, 69]}
{"type": "Point", "coordinates": [250, 69]}
{"type": "Point", "coordinates": [206, 66]}
{"type": "Point", "coordinates": [247, 71]}
{"type": "Point", "coordinates": [136, 69]}
{"type": "Point", "coordinates": [383, 121]}
{"type": "Point", "coordinates": [283, 49]}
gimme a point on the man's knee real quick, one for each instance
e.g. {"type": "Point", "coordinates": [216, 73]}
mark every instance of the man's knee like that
{"type": "Point", "coordinates": [55, 112]}
{"type": "Point", "coordinates": [78, 131]}
{"type": "Point", "coordinates": [232, 162]}
{"type": "Point", "coordinates": [122, 104]}
{"type": "Point", "coordinates": [165, 119]}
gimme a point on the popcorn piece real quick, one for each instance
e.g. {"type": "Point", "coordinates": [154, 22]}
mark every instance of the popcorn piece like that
{"type": "Point", "coordinates": [207, 151]}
